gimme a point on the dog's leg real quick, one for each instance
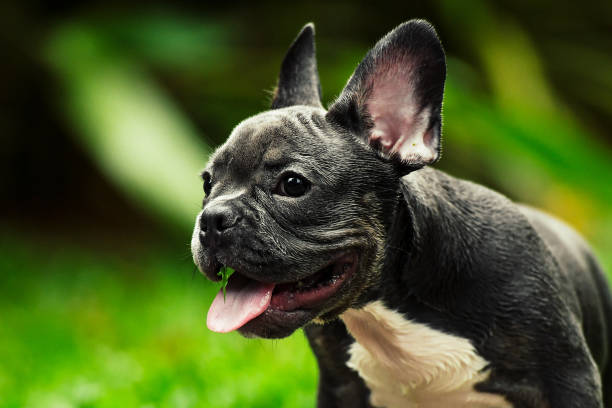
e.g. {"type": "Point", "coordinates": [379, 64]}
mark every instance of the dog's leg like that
{"type": "Point", "coordinates": [339, 386]}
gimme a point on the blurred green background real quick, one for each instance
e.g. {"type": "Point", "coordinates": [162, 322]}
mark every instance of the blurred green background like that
{"type": "Point", "coordinates": [109, 111]}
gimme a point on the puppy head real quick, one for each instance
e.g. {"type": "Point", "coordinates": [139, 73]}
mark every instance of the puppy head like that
{"type": "Point", "coordinates": [298, 201]}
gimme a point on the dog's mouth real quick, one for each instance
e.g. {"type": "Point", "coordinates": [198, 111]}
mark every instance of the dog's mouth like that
{"type": "Point", "coordinates": [246, 299]}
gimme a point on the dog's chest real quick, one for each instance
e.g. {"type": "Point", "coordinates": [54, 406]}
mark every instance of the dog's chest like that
{"type": "Point", "coordinates": [408, 364]}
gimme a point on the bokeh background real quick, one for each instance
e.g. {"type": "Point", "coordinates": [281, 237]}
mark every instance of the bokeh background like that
{"type": "Point", "coordinates": [110, 110]}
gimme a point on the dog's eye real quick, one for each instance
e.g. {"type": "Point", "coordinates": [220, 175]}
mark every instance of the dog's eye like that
{"type": "Point", "coordinates": [292, 185]}
{"type": "Point", "coordinates": [207, 183]}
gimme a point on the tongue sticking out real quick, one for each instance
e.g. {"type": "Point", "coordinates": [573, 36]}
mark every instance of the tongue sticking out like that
{"type": "Point", "coordinates": [246, 299]}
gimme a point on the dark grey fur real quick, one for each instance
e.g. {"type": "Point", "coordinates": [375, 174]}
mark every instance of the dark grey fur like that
{"type": "Point", "coordinates": [521, 286]}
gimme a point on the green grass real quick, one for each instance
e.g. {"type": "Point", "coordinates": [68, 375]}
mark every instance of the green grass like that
{"type": "Point", "coordinates": [82, 329]}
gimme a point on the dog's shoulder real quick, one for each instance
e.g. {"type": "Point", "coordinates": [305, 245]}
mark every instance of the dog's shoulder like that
{"type": "Point", "coordinates": [583, 280]}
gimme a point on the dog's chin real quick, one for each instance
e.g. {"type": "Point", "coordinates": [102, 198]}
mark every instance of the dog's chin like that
{"type": "Point", "coordinates": [294, 304]}
{"type": "Point", "coordinates": [276, 324]}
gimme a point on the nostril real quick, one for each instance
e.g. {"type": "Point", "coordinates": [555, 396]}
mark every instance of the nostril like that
{"type": "Point", "coordinates": [219, 222]}
{"type": "Point", "coordinates": [223, 222]}
{"type": "Point", "coordinates": [218, 219]}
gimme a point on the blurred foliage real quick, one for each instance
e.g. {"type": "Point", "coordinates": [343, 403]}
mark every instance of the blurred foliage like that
{"type": "Point", "coordinates": [83, 329]}
{"type": "Point", "coordinates": [113, 110]}
{"type": "Point", "coordinates": [137, 136]}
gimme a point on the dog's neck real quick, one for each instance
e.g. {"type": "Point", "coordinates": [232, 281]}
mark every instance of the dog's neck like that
{"type": "Point", "coordinates": [445, 240]}
{"type": "Point", "coordinates": [426, 237]}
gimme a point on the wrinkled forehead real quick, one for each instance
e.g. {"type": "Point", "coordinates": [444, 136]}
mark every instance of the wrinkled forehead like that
{"type": "Point", "coordinates": [274, 138]}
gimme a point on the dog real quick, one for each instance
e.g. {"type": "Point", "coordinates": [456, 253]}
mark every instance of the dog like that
{"type": "Point", "coordinates": [414, 288]}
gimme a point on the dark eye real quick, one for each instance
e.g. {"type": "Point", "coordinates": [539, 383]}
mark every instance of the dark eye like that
{"type": "Point", "coordinates": [293, 185]}
{"type": "Point", "coordinates": [207, 183]}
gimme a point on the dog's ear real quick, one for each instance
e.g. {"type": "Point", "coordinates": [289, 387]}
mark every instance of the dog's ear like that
{"type": "Point", "coordinates": [394, 98]}
{"type": "Point", "coordinates": [298, 82]}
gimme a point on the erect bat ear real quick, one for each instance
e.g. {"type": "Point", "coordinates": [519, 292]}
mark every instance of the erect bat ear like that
{"type": "Point", "coordinates": [298, 82]}
{"type": "Point", "coordinates": [394, 98]}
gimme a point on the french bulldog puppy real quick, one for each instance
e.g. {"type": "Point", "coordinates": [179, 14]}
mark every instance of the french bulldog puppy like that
{"type": "Point", "coordinates": [415, 289]}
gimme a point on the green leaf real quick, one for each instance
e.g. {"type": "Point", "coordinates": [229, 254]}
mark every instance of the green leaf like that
{"type": "Point", "coordinates": [225, 273]}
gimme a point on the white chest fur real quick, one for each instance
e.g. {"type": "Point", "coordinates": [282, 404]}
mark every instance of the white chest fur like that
{"type": "Point", "coordinates": [408, 364]}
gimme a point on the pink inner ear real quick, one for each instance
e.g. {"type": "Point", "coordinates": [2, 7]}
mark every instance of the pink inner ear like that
{"type": "Point", "coordinates": [399, 127]}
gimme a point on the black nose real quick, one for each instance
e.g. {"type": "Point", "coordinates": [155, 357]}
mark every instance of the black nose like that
{"type": "Point", "coordinates": [214, 221]}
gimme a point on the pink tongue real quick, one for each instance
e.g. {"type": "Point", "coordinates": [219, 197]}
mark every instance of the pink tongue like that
{"type": "Point", "coordinates": [245, 300]}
